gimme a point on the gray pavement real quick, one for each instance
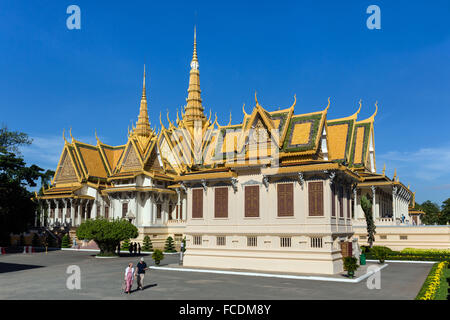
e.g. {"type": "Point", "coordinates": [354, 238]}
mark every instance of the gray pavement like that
{"type": "Point", "coordinates": [43, 276]}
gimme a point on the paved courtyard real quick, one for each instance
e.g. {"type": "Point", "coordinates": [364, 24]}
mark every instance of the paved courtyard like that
{"type": "Point", "coordinates": [43, 276]}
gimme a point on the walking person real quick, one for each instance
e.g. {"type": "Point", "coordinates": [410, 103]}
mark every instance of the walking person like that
{"type": "Point", "coordinates": [130, 248]}
{"type": "Point", "coordinates": [129, 273]}
{"type": "Point", "coordinates": [140, 273]}
{"type": "Point", "coordinates": [135, 248]}
{"type": "Point", "coordinates": [139, 248]}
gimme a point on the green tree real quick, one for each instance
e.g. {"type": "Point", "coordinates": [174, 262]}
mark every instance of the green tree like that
{"type": "Point", "coordinates": [444, 217]}
{"type": "Point", "coordinates": [432, 212]}
{"type": "Point", "coordinates": [106, 234]}
{"type": "Point", "coordinates": [170, 246]}
{"type": "Point", "coordinates": [10, 141]}
{"type": "Point", "coordinates": [125, 244]}
{"type": "Point", "coordinates": [147, 244]}
{"type": "Point", "coordinates": [366, 205]}
{"type": "Point", "coordinates": [157, 255]}
{"type": "Point", "coordinates": [65, 243]}
{"type": "Point", "coordinates": [16, 207]}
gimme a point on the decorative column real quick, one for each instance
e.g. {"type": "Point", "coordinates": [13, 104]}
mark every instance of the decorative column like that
{"type": "Point", "coordinates": [394, 203]}
{"type": "Point", "coordinates": [136, 200]}
{"type": "Point", "coordinates": [153, 209]}
{"type": "Point", "coordinates": [184, 208]}
{"type": "Point", "coordinates": [71, 220]}
{"type": "Point", "coordinates": [355, 203]}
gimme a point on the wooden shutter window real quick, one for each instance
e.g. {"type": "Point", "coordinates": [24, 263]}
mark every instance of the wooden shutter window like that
{"type": "Point", "coordinates": [106, 212]}
{"type": "Point", "coordinates": [285, 199]}
{"type": "Point", "coordinates": [252, 201]}
{"type": "Point", "coordinates": [221, 202]}
{"type": "Point", "coordinates": [197, 203]}
{"type": "Point", "coordinates": [315, 197]}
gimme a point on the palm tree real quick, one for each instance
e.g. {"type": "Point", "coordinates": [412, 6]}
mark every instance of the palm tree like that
{"type": "Point", "coordinates": [366, 205]}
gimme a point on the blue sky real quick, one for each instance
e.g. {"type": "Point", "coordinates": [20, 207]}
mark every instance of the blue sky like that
{"type": "Point", "coordinates": [53, 78]}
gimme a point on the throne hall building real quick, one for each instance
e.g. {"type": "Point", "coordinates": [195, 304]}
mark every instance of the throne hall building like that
{"type": "Point", "coordinates": [278, 191]}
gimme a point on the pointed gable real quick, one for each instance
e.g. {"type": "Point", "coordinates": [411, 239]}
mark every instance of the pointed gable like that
{"type": "Point", "coordinates": [66, 171]}
{"type": "Point", "coordinates": [131, 160]}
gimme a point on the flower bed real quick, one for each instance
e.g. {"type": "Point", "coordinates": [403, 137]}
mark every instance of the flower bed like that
{"type": "Point", "coordinates": [435, 286]}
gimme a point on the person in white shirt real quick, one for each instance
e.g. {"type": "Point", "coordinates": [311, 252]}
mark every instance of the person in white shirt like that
{"type": "Point", "coordinates": [129, 274]}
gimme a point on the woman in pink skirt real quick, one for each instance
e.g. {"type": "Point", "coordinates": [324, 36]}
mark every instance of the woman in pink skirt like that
{"type": "Point", "coordinates": [129, 274]}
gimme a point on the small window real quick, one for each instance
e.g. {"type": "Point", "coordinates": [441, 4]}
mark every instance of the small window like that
{"type": "Point", "coordinates": [403, 237]}
{"type": "Point", "coordinates": [383, 237]}
{"type": "Point", "coordinates": [197, 240]}
{"type": "Point", "coordinates": [285, 242]}
{"type": "Point", "coordinates": [220, 240]}
{"type": "Point", "coordinates": [252, 241]}
{"type": "Point", "coordinates": [363, 237]}
{"type": "Point", "coordinates": [124, 209]}
{"type": "Point", "coordinates": [158, 210]}
{"type": "Point", "coordinates": [316, 242]}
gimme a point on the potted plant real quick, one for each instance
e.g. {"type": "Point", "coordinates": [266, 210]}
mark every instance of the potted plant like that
{"type": "Point", "coordinates": [157, 255]}
{"type": "Point", "coordinates": [350, 265]}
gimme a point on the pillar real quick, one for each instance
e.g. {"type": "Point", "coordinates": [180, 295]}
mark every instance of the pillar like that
{"type": "Point", "coordinates": [184, 208]}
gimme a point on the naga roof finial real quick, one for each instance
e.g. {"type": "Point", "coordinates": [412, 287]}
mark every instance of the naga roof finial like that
{"type": "Point", "coordinates": [243, 110]}
{"type": "Point", "coordinates": [64, 136]}
{"type": "Point", "coordinates": [295, 101]}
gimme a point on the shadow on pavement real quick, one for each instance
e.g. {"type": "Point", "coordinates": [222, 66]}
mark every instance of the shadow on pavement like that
{"type": "Point", "coordinates": [12, 267]}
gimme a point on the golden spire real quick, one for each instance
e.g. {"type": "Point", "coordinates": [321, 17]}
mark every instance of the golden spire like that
{"type": "Point", "coordinates": [395, 174]}
{"type": "Point", "coordinates": [143, 124]}
{"type": "Point", "coordinates": [384, 169]}
{"type": "Point", "coordinates": [194, 110]}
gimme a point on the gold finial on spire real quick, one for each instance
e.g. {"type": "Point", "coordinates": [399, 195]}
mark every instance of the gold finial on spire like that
{"type": "Point", "coordinates": [194, 110]}
{"type": "Point", "coordinates": [194, 54]}
{"type": "Point", "coordinates": [143, 84]}
{"type": "Point", "coordinates": [409, 185]}
{"type": "Point", "coordinates": [229, 123]}
{"type": "Point", "coordinates": [395, 174]}
{"type": "Point", "coordinates": [70, 133]}
{"type": "Point", "coordinates": [384, 169]}
{"type": "Point", "coordinates": [143, 123]}
{"type": "Point", "coordinates": [64, 136]}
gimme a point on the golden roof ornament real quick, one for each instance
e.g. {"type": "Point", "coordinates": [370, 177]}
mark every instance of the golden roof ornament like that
{"type": "Point", "coordinates": [143, 124]}
{"type": "Point", "coordinates": [384, 169]}
{"type": "Point", "coordinates": [194, 110]}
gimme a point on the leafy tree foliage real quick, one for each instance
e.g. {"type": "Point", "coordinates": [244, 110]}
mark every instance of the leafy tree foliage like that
{"type": "Point", "coordinates": [366, 205]}
{"type": "Point", "coordinates": [432, 212]}
{"type": "Point", "coordinates": [445, 212]}
{"type": "Point", "coordinates": [16, 207]}
{"type": "Point", "coordinates": [170, 246]}
{"type": "Point", "coordinates": [157, 255]}
{"type": "Point", "coordinates": [12, 140]}
{"type": "Point", "coordinates": [106, 234]}
{"type": "Point", "coordinates": [65, 243]}
{"type": "Point", "coordinates": [147, 244]}
{"type": "Point", "coordinates": [126, 244]}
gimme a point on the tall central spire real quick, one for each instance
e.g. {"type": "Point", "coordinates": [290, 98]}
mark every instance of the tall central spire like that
{"type": "Point", "coordinates": [194, 109]}
{"type": "Point", "coordinates": [143, 124]}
